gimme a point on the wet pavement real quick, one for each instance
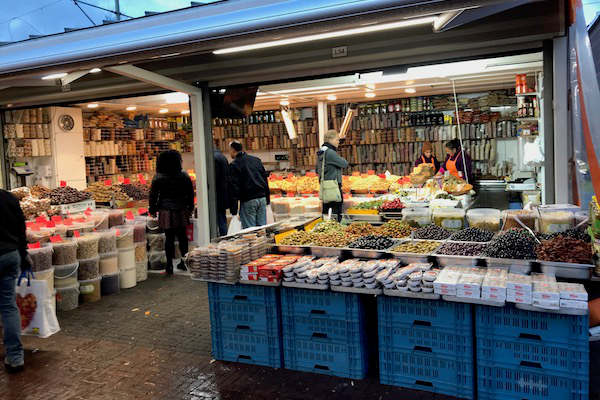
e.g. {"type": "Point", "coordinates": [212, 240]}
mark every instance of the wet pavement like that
{"type": "Point", "coordinates": [153, 342]}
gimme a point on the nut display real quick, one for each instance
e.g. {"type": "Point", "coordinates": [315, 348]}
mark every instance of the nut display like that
{"type": "Point", "coordinates": [327, 226]}
{"type": "Point", "coordinates": [565, 249]}
{"type": "Point", "coordinates": [360, 228]}
{"type": "Point", "coordinates": [41, 259]}
{"type": "Point", "coordinates": [107, 242]}
{"type": "Point", "coordinates": [372, 242]}
{"type": "Point", "coordinates": [461, 249]}
{"type": "Point", "coordinates": [87, 246]}
{"type": "Point", "coordinates": [333, 239]}
{"type": "Point", "coordinates": [515, 244]}
{"type": "Point", "coordinates": [432, 232]}
{"type": "Point", "coordinates": [33, 207]}
{"type": "Point", "coordinates": [67, 195]}
{"type": "Point", "coordinates": [39, 192]}
{"type": "Point", "coordinates": [88, 269]}
{"type": "Point", "coordinates": [299, 238]}
{"type": "Point", "coordinates": [395, 228]}
{"type": "Point", "coordinates": [21, 192]}
{"type": "Point", "coordinates": [105, 193]}
{"type": "Point", "coordinates": [136, 191]}
{"type": "Point", "coordinates": [417, 247]}
{"type": "Point", "coordinates": [64, 252]}
{"type": "Point", "coordinates": [472, 234]}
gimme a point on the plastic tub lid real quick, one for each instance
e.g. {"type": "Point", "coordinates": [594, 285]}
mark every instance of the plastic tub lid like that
{"type": "Point", "coordinates": [89, 259]}
{"type": "Point", "coordinates": [449, 212]}
{"type": "Point", "coordinates": [483, 212]}
{"type": "Point", "coordinates": [70, 268]}
{"type": "Point", "coordinates": [110, 275]}
{"type": "Point", "coordinates": [132, 248]}
{"type": "Point", "coordinates": [108, 255]}
{"type": "Point", "coordinates": [416, 211]}
{"type": "Point", "coordinates": [140, 244]}
{"type": "Point", "coordinates": [141, 262]}
{"type": "Point", "coordinates": [90, 280]}
{"type": "Point", "coordinates": [126, 269]}
{"type": "Point", "coordinates": [70, 287]}
{"type": "Point", "coordinates": [43, 271]}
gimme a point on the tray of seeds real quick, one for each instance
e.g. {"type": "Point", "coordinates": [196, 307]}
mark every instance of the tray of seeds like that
{"type": "Point", "coordinates": [415, 250]}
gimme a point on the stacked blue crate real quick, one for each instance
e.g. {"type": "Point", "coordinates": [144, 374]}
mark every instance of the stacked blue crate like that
{"type": "Point", "coordinates": [426, 345]}
{"type": "Point", "coordinates": [245, 323]}
{"type": "Point", "coordinates": [324, 332]}
{"type": "Point", "coordinates": [531, 355]}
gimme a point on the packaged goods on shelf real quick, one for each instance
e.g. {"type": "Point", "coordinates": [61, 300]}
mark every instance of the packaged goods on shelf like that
{"type": "Point", "coordinates": [572, 291]}
{"type": "Point", "coordinates": [519, 288]}
{"type": "Point", "coordinates": [217, 262]}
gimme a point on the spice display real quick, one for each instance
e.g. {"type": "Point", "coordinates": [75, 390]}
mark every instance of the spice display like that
{"type": "Point", "coordinates": [124, 236]}
{"type": "Point", "coordinates": [136, 191]}
{"type": "Point", "coordinates": [41, 259]}
{"type": "Point", "coordinates": [109, 284]}
{"type": "Point", "coordinates": [461, 249]}
{"type": "Point", "coordinates": [87, 246]}
{"type": "Point", "coordinates": [109, 263]}
{"type": "Point", "coordinates": [565, 249]}
{"type": "Point", "coordinates": [64, 252]}
{"type": "Point", "coordinates": [392, 206]}
{"type": "Point", "coordinates": [67, 298]}
{"type": "Point", "coordinates": [139, 232]}
{"type": "Point", "coordinates": [449, 218]}
{"type": "Point", "coordinates": [395, 228]}
{"type": "Point", "coordinates": [360, 228]}
{"type": "Point", "coordinates": [519, 219]}
{"type": "Point", "coordinates": [417, 247]}
{"type": "Point", "coordinates": [126, 258]}
{"type": "Point", "coordinates": [432, 232]}
{"type": "Point", "coordinates": [472, 234]}
{"type": "Point", "coordinates": [67, 195]}
{"type": "Point", "coordinates": [156, 241]}
{"type": "Point", "coordinates": [300, 238]}
{"type": "Point", "coordinates": [333, 239]}
{"type": "Point", "coordinates": [372, 242]}
{"type": "Point", "coordinates": [105, 193]}
{"type": "Point", "coordinates": [140, 252]}
{"type": "Point", "coordinates": [100, 219]}
{"type": "Point", "coordinates": [116, 218]}
{"type": "Point", "coordinates": [556, 221]}
{"type": "Point", "coordinates": [515, 244]}
{"type": "Point", "coordinates": [107, 241]}
{"type": "Point", "coordinates": [88, 269]}
{"type": "Point", "coordinates": [327, 226]}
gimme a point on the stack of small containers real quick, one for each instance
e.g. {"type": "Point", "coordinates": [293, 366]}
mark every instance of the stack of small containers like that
{"type": "Point", "coordinates": [126, 256]}
{"type": "Point", "coordinates": [89, 267]}
{"type": "Point", "coordinates": [109, 261]}
{"type": "Point", "coordinates": [65, 264]}
{"type": "Point", "coordinates": [141, 254]}
{"type": "Point", "coordinates": [157, 259]}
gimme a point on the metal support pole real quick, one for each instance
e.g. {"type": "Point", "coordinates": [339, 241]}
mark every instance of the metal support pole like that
{"type": "Point", "coordinates": [322, 119]}
{"type": "Point", "coordinates": [548, 116]}
{"type": "Point", "coordinates": [201, 166]}
{"type": "Point", "coordinates": [118, 10]}
{"type": "Point", "coordinates": [562, 147]}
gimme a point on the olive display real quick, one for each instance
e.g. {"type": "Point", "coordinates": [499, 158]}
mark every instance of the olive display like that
{"type": "Point", "coordinates": [372, 242]}
{"type": "Point", "coordinates": [462, 249]}
{"type": "Point", "coordinates": [515, 243]}
{"type": "Point", "coordinates": [395, 228]}
{"type": "Point", "coordinates": [424, 247]}
{"type": "Point", "coordinates": [472, 234]}
{"type": "Point", "coordinates": [432, 232]}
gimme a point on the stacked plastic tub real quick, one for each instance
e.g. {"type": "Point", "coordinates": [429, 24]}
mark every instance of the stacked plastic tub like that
{"type": "Point", "coordinates": [245, 324]}
{"type": "Point", "coordinates": [109, 262]}
{"type": "Point", "coordinates": [426, 345]}
{"type": "Point", "coordinates": [89, 267]}
{"type": "Point", "coordinates": [126, 256]}
{"type": "Point", "coordinates": [157, 259]}
{"type": "Point", "coordinates": [324, 332]}
{"type": "Point", "coordinates": [65, 264]}
{"type": "Point", "coordinates": [531, 355]}
{"type": "Point", "coordinates": [41, 265]}
{"type": "Point", "coordinates": [141, 254]}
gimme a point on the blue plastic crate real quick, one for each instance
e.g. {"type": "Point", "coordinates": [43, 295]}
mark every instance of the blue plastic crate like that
{"type": "Point", "coordinates": [452, 376]}
{"type": "Point", "coordinates": [431, 313]}
{"type": "Point", "coordinates": [544, 355]}
{"type": "Point", "coordinates": [437, 340]}
{"type": "Point", "coordinates": [240, 313]}
{"type": "Point", "coordinates": [496, 381]}
{"type": "Point", "coordinates": [251, 294]}
{"type": "Point", "coordinates": [326, 356]}
{"type": "Point", "coordinates": [245, 346]}
{"type": "Point", "coordinates": [320, 303]}
{"type": "Point", "coordinates": [335, 329]}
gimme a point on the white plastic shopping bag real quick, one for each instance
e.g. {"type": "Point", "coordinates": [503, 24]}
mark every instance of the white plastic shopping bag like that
{"type": "Point", "coordinates": [235, 225]}
{"type": "Point", "coordinates": [270, 218]}
{"type": "Point", "coordinates": [38, 316]}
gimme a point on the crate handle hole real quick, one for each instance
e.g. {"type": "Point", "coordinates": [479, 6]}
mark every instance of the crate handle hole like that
{"type": "Point", "coordinates": [319, 312]}
{"type": "Point", "coordinates": [322, 367]}
{"type": "Point", "coordinates": [421, 323]}
{"type": "Point", "coordinates": [240, 297]}
{"type": "Point", "coordinates": [530, 336]}
{"type": "Point", "coordinates": [423, 348]}
{"type": "Point", "coordinates": [531, 364]}
{"type": "Point", "coordinates": [243, 327]}
{"type": "Point", "coordinates": [243, 357]}
{"type": "Point", "coordinates": [319, 335]}
{"type": "Point", "coordinates": [424, 383]}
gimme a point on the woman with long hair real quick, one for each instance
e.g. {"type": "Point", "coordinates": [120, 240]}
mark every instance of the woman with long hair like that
{"type": "Point", "coordinates": [172, 199]}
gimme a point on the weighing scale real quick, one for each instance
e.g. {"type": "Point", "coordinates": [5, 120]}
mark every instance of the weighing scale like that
{"type": "Point", "coordinates": [22, 170]}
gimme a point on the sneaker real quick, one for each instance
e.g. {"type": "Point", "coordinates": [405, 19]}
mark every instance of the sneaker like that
{"type": "Point", "coordinates": [13, 367]}
{"type": "Point", "coordinates": [181, 266]}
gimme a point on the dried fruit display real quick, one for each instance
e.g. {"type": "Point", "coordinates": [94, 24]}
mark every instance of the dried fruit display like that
{"type": "Point", "coordinates": [565, 249]}
{"type": "Point", "coordinates": [360, 228]}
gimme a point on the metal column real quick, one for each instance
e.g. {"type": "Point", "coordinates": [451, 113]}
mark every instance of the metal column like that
{"type": "Point", "coordinates": [548, 116]}
{"type": "Point", "coordinates": [562, 147]}
{"type": "Point", "coordinates": [323, 122]}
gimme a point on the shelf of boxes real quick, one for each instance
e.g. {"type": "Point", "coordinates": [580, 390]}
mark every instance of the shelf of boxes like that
{"type": "Point", "coordinates": [27, 133]}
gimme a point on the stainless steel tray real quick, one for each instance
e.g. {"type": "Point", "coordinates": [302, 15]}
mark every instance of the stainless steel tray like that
{"type": "Point", "coordinates": [290, 249]}
{"type": "Point", "coordinates": [414, 257]}
{"type": "Point", "coordinates": [319, 251]}
{"type": "Point", "coordinates": [366, 253]}
{"type": "Point", "coordinates": [462, 261]}
{"type": "Point", "coordinates": [516, 266]}
{"type": "Point", "coordinates": [567, 270]}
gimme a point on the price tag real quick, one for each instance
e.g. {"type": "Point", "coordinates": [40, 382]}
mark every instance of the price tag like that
{"type": "Point", "coordinates": [50, 224]}
{"type": "Point", "coordinates": [142, 211]}
{"type": "Point", "coordinates": [382, 176]}
{"type": "Point", "coordinates": [127, 181]}
{"type": "Point", "coordinates": [347, 195]}
{"type": "Point", "coordinates": [291, 194]}
{"type": "Point", "coordinates": [56, 218]}
{"type": "Point", "coordinates": [56, 239]}
{"type": "Point", "coordinates": [41, 220]}
{"type": "Point", "coordinates": [80, 219]}
{"type": "Point", "coordinates": [355, 173]}
{"type": "Point", "coordinates": [36, 227]}
{"type": "Point", "coordinates": [370, 195]}
{"type": "Point", "coordinates": [120, 179]}
{"type": "Point", "coordinates": [68, 222]}
{"type": "Point", "coordinates": [117, 232]}
{"type": "Point", "coordinates": [371, 172]}
{"type": "Point", "coordinates": [35, 245]}
{"type": "Point", "coordinates": [76, 234]}
{"type": "Point", "coordinates": [29, 224]}
{"type": "Point", "coordinates": [129, 215]}
{"type": "Point", "coordinates": [88, 212]}
{"type": "Point", "coordinates": [141, 179]}
{"type": "Point", "coordinates": [63, 183]}
{"type": "Point", "coordinates": [108, 182]}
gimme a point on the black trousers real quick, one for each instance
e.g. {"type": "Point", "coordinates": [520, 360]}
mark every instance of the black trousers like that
{"type": "Point", "coordinates": [336, 209]}
{"type": "Point", "coordinates": [170, 235]}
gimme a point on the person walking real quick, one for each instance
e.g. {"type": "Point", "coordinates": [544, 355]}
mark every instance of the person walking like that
{"type": "Point", "coordinates": [172, 198]}
{"type": "Point", "coordinates": [222, 188]}
{"type": "Point", "coordinates": [249, 186]}
{"type": "Point", "coordinates": [329, 168]}
{"type": "Point", "coordinates": [13, 256]}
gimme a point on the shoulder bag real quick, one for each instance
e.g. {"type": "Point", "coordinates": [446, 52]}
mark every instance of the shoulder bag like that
{"type": "Point", "coordinates": [329, 189]}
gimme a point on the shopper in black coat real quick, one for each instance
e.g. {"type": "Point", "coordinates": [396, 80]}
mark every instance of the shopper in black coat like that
{"type": "Point", "coordinates": [172, 198]}
{"type": "Point", "coordinates": [222, 181]}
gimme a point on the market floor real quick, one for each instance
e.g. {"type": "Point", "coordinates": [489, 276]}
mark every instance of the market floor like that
{"type": "Point", "coordinates": [153, 342]}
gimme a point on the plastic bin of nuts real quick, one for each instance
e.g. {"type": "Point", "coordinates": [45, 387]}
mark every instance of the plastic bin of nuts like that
{"type": "Point", "coordinates": [124, 236]}
{"type": "Point", "coordinates": [41, 258]}
{"type": "Point", "coordinates": [217, 262]}
{"type": "Point", "coordinates": [87, 246]}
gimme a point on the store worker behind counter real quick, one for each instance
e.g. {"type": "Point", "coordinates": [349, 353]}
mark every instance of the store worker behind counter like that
{"type": "Point", "coordinates": [172, 198]}
{"type": "Point", "coordinates": [427, 157]}
{"type": "Point", "coordinates": [332, 171]}
{"type": "Point", "coordinates": [249, 186]}
{"type": "Point", "coordinates": [454, 161]}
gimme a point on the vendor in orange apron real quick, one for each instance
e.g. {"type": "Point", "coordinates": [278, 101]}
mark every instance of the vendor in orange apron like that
{"type": "Point", "coordinates": [454, 161]}
{"type": "Point", "coordinates": [427, 157]}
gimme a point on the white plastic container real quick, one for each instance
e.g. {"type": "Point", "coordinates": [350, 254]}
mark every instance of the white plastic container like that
{"type": "Point", "coordinates": [449, 218]}
{"type": "Point", "coordinates": [67, 298]}
{"type": "Point", "coordinates": [127, 278]}
{"type": "Point", "coordinates": [416, 217]}
{"type": "Point", "coordinates": [554, 219]}
{"type": "Point", "coordinates": [124, 236]}
{"type": "Point", "coordinates": [109, 263]}
{"type": "Point", "coordinates": [485, 218]}
{"type": "Point", "coordinates": [47, 276]}
{"type": "Point", "coordinates": [141, 271]}
{"type": "Point", "coordinates": [65, 275]}
{"type": "Point", "coordinates": [126, 258]}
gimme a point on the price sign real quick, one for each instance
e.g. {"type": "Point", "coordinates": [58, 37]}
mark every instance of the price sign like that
{"type": "Point", "coordinates": [141, 179]}
{"type": "Point", "coordinates": [80, 219]}
{"type": "Point", "coordinates": [29, 224]}
{"type": "Point", "coordinates": [56, 239]}
{"type": "Point", "coordinates": [68, 221]}
{"type": "Point", "coordinates": [88, 212]}
{"type": "Point", "coordinates": [108, 182]}
{"type": "Point", "coordinates": [127, 181]}
{"type": "Point", "coordinates": [50, 224]}
{"type": "Point", "coordinates": [56, 218]}
{"type": "Point", "coordinates": [142, 211]}
{"type": "Point", "coordinates": [35, 245]}
{"type": "Point", "coordinates": [117, 232]}
{"type": "Point", "coordinates": [76, 234]}
{"type": "Point", "coordinates": [63, 183]}
{"type": "Point", "coordinates": [41, 220]}
{"type": "Point", "coordinates": [129, 215]}
{"type": "Point", "coordinates": [120, 179]}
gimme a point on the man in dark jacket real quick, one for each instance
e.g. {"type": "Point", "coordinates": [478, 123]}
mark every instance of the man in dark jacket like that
{"type": "Point", "coordinates": [222, 188]}
{"type": "Point", "coordinates": [333, 169]}
{"type": "Point", "coordinates": [13, 255]}
{"type": "Point", "coordinates": [249, 186]}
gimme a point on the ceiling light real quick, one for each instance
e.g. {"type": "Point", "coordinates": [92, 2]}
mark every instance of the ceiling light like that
{"type": "Point", "coordinates": [329, 35]}
{"type": "Point", "coordinates": [54, 76]}
{"type": "Point", "coordinates": [370, 94]}
{"type": "Point", "coordinates": [332, 97]}
{"type": "Point", "coordinates": [185, 112]}
{"type": "Point", "coordinates": [163, 111]}
{"type": "Point", "coordinates": [176, 97]}
{"type": "Point", "coordinates": [95, 70]}
{"type": "Point", "coordinates": [9, 105]}
{"type": "Point", "coordinates": [284, 102]}
{"type": "Point", "coordinates": [410, 90]}
{"type": "Point", "coordinates": [131, 108]}
{"type": "Point", "coordinates": [93, 105]}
